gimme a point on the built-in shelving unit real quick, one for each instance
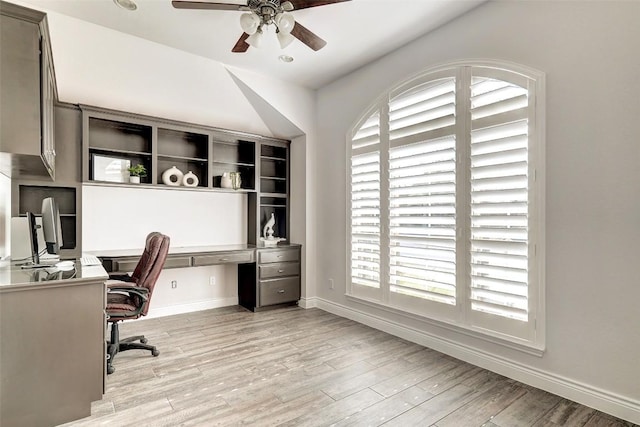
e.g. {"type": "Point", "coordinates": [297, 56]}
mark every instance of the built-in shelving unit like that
{"type": "Point", "coordinates": [188, 151]}
{"type": "Point", "coordinates": [234, 156]}
{"type": "Point", "coordinates": [30, 196]}
{"type": "Point", "coordinates": [113, 145]}
{"type": "Point", "coordinates": [114, 140]}
{"type": "Point", "coordinates": [274, 186]}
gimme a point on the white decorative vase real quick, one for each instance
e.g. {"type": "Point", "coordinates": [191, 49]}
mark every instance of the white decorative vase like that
{"type": "Point", "coordinates": [190, 180]}
{"type": "Point", "coordinates": [225, 180]}
{"type": "Point", "coordinates": [172, 176]}
{"type": "Point", "coordinates": [134, 179]}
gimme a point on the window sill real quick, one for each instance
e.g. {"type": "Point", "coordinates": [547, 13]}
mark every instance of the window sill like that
{"type": "Point", "coordinates": [494, 338]}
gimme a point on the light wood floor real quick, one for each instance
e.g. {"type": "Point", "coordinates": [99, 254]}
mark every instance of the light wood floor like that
{"type": "Point", "coordinates": [296, 367]}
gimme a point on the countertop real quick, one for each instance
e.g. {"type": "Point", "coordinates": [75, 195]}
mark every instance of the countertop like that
{"type": "Point", "coordinates": [14, 277]}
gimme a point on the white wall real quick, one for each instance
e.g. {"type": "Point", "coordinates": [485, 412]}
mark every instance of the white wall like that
{"type": "Point", "coordinates": [589, 51]}
{"type": "Point", "coordinates": [121, 218]}
{"type": "Point", "coordinates": [5, 215]}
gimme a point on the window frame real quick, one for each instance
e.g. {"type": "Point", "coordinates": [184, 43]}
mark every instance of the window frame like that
{"type": "Point", "coordinates": [462, 318]}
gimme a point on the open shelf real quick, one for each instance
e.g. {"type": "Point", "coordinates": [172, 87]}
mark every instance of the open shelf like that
{"type": "Point", "coordinates": [183, 144]}
{"type": "Point", "coordinates": [119, 136]}
{"type": "Point", "coordinates": [234, 156]}
{"type": "Point", "coordinates": [30, 200]}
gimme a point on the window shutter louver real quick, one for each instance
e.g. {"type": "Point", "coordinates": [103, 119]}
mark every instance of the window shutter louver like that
{"type": "Point", "coordinates": [422, 185]}
{"type": "Point", "coordinates": [499, 198]}
{"type": "Point", "coordinates": [365, 205]}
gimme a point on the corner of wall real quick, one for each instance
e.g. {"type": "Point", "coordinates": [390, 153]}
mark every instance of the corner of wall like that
{"type": "Point", "coordinates": [5, 215]}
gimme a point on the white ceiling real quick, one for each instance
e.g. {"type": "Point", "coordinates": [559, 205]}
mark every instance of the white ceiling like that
{"type": "Point", "coordinates": [356, 32]}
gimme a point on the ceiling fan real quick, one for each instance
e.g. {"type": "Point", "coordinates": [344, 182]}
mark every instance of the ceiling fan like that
{"type": "Point", "coordinates": [262, 13]}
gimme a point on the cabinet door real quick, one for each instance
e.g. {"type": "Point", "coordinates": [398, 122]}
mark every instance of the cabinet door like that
{"type": "Point", "coordinates": [19, 86]}
{"type": "Point", "coordinates": [48, 86]}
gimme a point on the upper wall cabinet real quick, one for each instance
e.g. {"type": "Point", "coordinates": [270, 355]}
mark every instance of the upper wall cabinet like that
{"type": "Point", "coordinates": [174, 154]}
{"type": "Point", "coordinates": [27, 93]}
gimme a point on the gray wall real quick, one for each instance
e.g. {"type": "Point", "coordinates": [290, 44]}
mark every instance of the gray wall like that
{"type": "Point", "coordinates": [590, 54]}
{"type": "Point", "coordinates": [5, 215]}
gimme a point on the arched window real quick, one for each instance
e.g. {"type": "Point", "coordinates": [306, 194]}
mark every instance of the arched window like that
{"type": "Point", "coordinates": [446, 201]}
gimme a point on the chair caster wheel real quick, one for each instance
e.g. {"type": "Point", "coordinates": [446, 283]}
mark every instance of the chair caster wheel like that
{"type": "Point", "coordinates": [110, 370]}
{"type": "Point", "coordinates": [143, 340]}
{"type": "Point", "coordinates": [155, 353]}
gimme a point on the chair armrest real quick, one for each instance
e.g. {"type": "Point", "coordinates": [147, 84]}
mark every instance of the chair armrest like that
{"type": "Point", "coordinates": [121, 278]}
{"type": "Point", "coordinates": [139, 294]}
{"type": "Point", "coordinates": [129, 288]}
{"type": "Point", "coordinates": [119, 283]}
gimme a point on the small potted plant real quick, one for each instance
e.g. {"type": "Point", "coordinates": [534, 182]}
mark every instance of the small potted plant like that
{"type": "Point", "coordinates": [135, 172]}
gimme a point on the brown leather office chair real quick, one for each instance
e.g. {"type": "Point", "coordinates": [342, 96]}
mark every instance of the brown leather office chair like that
{"type": "Point", "coordinates": [128, 297]}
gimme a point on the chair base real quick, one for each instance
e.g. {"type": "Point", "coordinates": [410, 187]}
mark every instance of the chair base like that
{"type": "Point", "coordinates": [116, 345]}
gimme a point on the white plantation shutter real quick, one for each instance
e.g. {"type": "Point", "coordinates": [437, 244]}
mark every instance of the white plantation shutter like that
{"type": "Point", "coordinates": [422, 185]}
{"type": "Point", "coordinates": [446, 201]}
{"type": "Point", "coordinates": [499, 198]}
{"type": "Point", "coordinates": [365, 204]}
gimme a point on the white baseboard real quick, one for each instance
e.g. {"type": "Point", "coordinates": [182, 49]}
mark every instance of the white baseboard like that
{"type": "Point", "coordinates": [602, 400]}
{"type": "Point", "coordinates": [308, 302]}
{"type": "Point", "coordinates": [191, 307]}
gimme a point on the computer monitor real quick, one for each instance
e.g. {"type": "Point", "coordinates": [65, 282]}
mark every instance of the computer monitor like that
{"type": "Point", "coordinates": [51, 227]}
{"type": "Point", "coordinates": [33, 238]}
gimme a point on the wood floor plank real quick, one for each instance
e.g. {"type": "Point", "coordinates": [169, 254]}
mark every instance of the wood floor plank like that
{"type": "Point", "coordinates": [386, 409]}
{"type": "Point", "coordinates": [290, 410]}
{"type": "Point", "coordinates": [339, 389]}
{"type": "Point", "coordinates": [604, 420]}
{"type": "Point", "coordinates": [295, 367]}
{"type": "Point", "coordinates": [435, 408]}
{"type": "Point", "coordinates": [484, 407]}
{"type": "Point", "coordinates": [566, 413]}
{"type": "Point", "coordinates": [529, 408]}
{"type": "Point", "coordinates": [404, 380]}
{"type": "Point", "coordinates": [337, 410]}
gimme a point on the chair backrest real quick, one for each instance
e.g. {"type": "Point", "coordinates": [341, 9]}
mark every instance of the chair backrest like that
{"type": "Point", "coordinates": [151, 263]}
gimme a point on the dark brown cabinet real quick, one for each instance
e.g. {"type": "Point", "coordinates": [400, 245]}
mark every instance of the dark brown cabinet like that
{"type": "Point", "coordinates": [27, 94]}
{"type": "Point", "coordinates": [114, 140]}
{"type": "Point", "coordinates": [273, 280]}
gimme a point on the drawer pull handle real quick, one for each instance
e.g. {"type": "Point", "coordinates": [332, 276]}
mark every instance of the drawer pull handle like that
{"type": "Point", "coordinates": [223, 259]}
{"type": "Point", "coordinates": [281, 291]}
{"type": "Point", "coordinates": [280, 271]}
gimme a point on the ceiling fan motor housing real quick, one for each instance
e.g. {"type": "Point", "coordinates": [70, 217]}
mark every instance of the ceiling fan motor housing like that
{"type": "Point", "coordinates": [265, 9]}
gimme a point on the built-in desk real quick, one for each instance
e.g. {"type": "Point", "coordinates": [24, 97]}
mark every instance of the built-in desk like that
{"type": "Point", "coordinates": [122, 261]}
{"type": "Point", "coordinates": [267, 276]}
{"type": "Point", "coordinates": [52, 343]}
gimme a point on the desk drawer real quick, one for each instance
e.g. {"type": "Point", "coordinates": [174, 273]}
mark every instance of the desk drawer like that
{"type": "Point", "coordinates": [177, 262]}
{"type": "Point", "coordinates": [279, 269]}
{"type": "Point", "coordinates": [223, 258]}
{"type": "Point", "coordinates": [278, 255]}
{"type": "Point", "coordinates": [124, 265]}
{"type": "Point", "coordinates": [279, 291]}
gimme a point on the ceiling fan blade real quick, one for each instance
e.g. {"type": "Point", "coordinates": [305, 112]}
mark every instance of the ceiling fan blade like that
{"type": "Point", "coordinates": [304, 4]}
{"type": "Point", "coordinates": [241, 45]}
{"type": "Point", "coordinates": [307, 37]}
{"type": "Point", "coordinates": [186, 4]}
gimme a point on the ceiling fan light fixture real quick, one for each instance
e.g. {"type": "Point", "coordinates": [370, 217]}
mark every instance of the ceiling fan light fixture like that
{"type": "Point", "coordinates": [255, 39]}
{"type": "Point", "coordinates": [285, 22]}
{"type": "Point", "coordinates": [126, 4]}
{"type": "Point", "coordinates": [249, 23]}
{"type": "Point", "coordinates": [285, 39]}
{"type": "Point", "coordinates": [287, 6]}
